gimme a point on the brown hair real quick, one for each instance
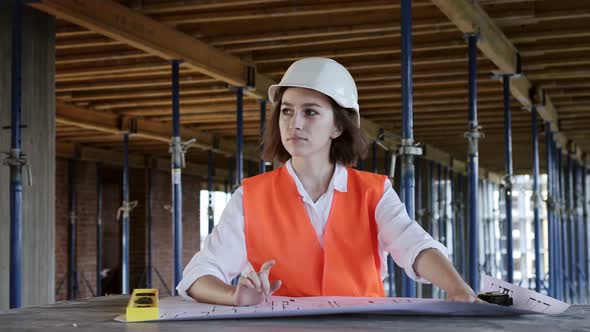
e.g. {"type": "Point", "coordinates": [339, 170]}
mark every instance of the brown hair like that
{"type": "Point", "coordinates": [348, 148]}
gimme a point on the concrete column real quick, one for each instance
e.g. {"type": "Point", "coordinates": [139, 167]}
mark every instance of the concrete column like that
{"type": "Point", "coordinates": [38, 143]}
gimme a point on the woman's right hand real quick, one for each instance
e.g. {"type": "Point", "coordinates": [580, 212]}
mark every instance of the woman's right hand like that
{"type": "Point", "coordinates": [254, 287]}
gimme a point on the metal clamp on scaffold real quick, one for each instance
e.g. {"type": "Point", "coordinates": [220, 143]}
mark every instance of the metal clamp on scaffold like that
{"type": "Point", "coordinates": [178, 150]}
{"type": "Point", "coordinates": [550, 203]}
{"type": "Point", "coordinates": [16, 158]}
{"type": "Point", "coordinates": [517, 70]}
{"type": "Point", "coordinates": [508, 181]}
{"type": "Point", "coordinates": [473, 136]}
{"type": "Point", "coordinates": [409, 147]}
{"type": "Point", "coordinates": [125, 209]}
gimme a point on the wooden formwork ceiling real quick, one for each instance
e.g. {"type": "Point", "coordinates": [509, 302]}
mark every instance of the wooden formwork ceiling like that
{"type": "Point", "coordinates": [114, 74]}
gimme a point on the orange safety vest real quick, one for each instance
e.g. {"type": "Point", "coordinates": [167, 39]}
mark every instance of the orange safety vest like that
{"type": "Point", "coordinates": [277, 227]}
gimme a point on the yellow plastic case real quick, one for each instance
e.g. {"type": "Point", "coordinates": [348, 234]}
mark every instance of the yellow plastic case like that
{"type": "Point", "coordinates": [143, 305]}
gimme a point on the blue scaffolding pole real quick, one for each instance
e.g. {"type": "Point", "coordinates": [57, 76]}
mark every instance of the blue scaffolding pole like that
{"type": "Point", "coordinates": [536, 221]}
{"type": "Point", "coordinates": [508, 178]}
{"type": "Point", "coordinates": [16, 160]}
{"type": "Point", "coordinates": [408, 148]}
{"type": "Point", "coordinates": [125, 227]}
{"type": "Point", "coordinates": [586, 200]}
{"type": "Point", "coordinates": [563, 227]}
{"type": "Point", "coordinates": [210, 211]}
{"type": "Point", "coordinates": [148, 277]}
{"type": "Point", "coordinates": [461, 224]}
{"type": "Point", "coordinates": [557, 223]}
{"type": "Point", "coordinates": [580, 235]}
{"type": "Point", "coordinates": [98, 229]}
{"type": "Point", "coordinates": [439, 201]}
{"type": "Point", "coordinates": [262, 166]}
{"type": "Point", "coordinates": [570, 238]}
{"type": "Point", "coordinates": [550, 212]}
{"type": "Point", "coordinates": [473, 136]}
{"type": "Point", "coordinates": [239, 136]}
{"type": "Point", "coordinates": [177, 155]}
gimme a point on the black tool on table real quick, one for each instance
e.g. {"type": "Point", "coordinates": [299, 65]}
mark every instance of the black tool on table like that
{"type": "Point", "coordinates": [498, 298]}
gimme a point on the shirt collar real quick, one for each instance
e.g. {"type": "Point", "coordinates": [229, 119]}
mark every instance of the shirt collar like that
{"type": "Point", "coordinates": [338, 182]}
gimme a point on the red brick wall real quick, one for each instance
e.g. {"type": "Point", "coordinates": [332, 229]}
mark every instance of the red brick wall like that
{"type": "Point", "coordinates": [162, 226]}
{"type": "Point", "coordinates": [112, 197]}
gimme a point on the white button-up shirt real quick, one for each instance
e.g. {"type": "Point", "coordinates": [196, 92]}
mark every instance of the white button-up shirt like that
{"type": "Point", "coordinates": [224, 250]}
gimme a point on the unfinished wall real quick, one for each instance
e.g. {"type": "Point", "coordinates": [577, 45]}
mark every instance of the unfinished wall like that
{"type": "Point", "coordinates": [86, 175]}
{"type": "Point", "coordinates": [38, 114]}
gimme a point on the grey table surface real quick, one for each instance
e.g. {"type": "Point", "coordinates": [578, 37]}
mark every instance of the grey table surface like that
{"type": "Point", "coordinates": [96, 314]}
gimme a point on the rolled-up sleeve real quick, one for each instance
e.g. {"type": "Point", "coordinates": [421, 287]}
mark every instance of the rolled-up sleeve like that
{"type": "Point", "coordinates": [224, 250]}
{"type": "Point", "coordinates": [401, 236]}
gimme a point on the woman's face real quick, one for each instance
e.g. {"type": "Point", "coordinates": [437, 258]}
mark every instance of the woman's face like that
{"type": "Point", "coordinates": [306, 122]}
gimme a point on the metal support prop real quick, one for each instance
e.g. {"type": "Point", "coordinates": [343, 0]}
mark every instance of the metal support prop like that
{"type": "Point", "coordinates": [586, 202]}
{"type": "Point", "coordinates": [536, 197]}
{"type": "Point", "coordinates": [408, 148]}
{"type": "Point", "coordinates": [125, 210]}
{"type": "Point", "coordinates": [430, 192]}
{"type": "Point", "coordinates": [210, 212]}
{"type": "Point", "coordinates": [571, 237]}
{"type": "Point", "coordinates": [98, 229]}
{"type": "Point", "coordinates": [454, 230]}
{"type": "Point", "coordinates": [177, 156]}
{"type": "Point", "coordinates": [231, 175]}
{"type": "Point", "coordinates": [419, 209]}
{"type": "Point", "coordinates": [16, 160]}
{"type": "Point", "coordinates": [579, 235]}
{"type": "Point", "coordinates": [262, 165]}
{"type": "Point", "coordinates": [148, 277]}
{"type": "Point", "coordinates": [563, 227]}
{"type": "Point", "coordinates": [239, 136]}
{"type": "Point", "coordinates": [558, 219]}
{"type": "Point", "coordinates": [473, 135]}
{"type": "Point", "coordinates": [485, 218]}
{"type": "Point", "coordinates": [550, 206]}
{"type": "Point", "coordinates": [72, 273]}
{"type": "Point", "coordinates": [460, 223]}
{"type": "Point", "coordinates": [508, 178]}
{"type": "Point", "coordinates": [439, 205]}
{"type": "Point", "coordinates": [445, 216]}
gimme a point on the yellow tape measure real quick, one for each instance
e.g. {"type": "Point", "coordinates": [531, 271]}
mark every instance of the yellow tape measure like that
{"type": "Point", "coordinates": [143, 305]}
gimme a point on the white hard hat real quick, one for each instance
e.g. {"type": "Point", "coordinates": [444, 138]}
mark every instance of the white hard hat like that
{"type": "Point", "coordinates": [323, 75]}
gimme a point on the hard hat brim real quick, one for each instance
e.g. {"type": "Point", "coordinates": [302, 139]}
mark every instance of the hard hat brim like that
{"type": "Point", "coordinates": [272, 91]}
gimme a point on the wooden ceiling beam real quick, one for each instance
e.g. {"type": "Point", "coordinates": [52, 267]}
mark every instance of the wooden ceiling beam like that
{"type": "Point", "coordinates": [141, 93]}
{"type": "Point", "coordinates": [110, 157]}
{"type": "Point", "coordinates": [202, 5]}
{"type": "Point", "coordinates": [115, 125]}
{"type": "Point", "coordinates": [113, 55]}
{"type": "Point", "coordinates": [123, 24]}
{"type": "Point", "coordinates": [469, 17]}
{"type": "Point", "coordinates": [302, 11]}
{"type": "Point", "coordinates": [355, 52]}
{"type": "Point", "coordinates": [106, 85]}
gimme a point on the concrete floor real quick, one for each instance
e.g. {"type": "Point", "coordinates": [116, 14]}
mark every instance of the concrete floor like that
{"type": "Point", "coordinates": [96, 314]}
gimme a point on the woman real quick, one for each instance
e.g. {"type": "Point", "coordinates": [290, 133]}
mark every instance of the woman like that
{"type": "Point", "coordinates": [314, 227]}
